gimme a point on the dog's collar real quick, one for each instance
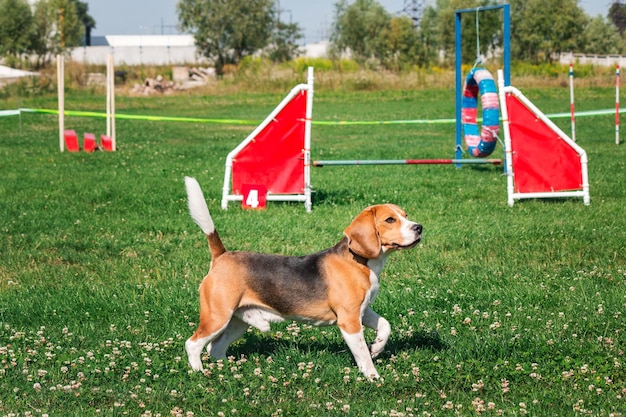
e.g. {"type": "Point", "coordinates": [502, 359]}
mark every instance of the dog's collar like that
{"type": "Point", "coordinates": [358, 258]}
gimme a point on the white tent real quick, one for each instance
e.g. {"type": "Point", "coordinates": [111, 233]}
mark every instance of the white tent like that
{"type": "Point", "coordinates": [8, 74]}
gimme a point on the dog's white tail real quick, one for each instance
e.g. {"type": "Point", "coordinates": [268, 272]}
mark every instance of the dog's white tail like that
{"type": "Point", "coordinates": [199, 212]}
{"type": "Point", "coordinates": [197, 206]}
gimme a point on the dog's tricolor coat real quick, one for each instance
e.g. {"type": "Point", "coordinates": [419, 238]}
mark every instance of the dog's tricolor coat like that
{"type": "Point", "coordinates": [334, 286]}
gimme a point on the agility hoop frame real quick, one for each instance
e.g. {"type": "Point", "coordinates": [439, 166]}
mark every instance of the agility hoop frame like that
{"type": "Point", "coordinates": [557, 136]}
{"type": "Point", "coordinates": [304, 193]}
{"type": "Point", "coordinates": [506, 61]}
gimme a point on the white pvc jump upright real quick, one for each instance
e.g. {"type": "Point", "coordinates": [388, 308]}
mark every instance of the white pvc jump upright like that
{"type": "Point", "coordinates": [61, 99]}
{"type": "Point", "coordinates": [110, 111]}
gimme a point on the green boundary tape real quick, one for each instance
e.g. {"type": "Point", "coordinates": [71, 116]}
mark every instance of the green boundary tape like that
{"type": "Point", "coordinates": [121, 116]}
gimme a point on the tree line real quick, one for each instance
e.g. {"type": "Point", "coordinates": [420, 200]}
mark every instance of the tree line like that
{"type": "Point", "coordinates": [226, 31]}
{"type": "Point", "coordinates": [374, 37]}
{"type": "Point", "coordinates": [540, 31]}
{"type": "Point", "coordinates": [43, 30]}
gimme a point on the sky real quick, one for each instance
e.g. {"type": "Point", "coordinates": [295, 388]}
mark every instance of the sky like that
{"type": "Point", "coordinates": [156, 17]}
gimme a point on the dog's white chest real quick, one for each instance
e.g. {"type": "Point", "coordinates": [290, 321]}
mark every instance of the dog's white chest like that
{"type": "Point", "coordinates": [370, 297]}
{"type": "Point", "coordinates": [375, 266]}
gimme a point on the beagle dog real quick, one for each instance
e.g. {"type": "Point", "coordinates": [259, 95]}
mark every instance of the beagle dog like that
{"type": "Point", "coordinates": [334, 286]}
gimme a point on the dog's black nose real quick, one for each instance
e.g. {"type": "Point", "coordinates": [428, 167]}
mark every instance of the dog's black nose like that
{"type": "Point", "coordinates": [417, 227]}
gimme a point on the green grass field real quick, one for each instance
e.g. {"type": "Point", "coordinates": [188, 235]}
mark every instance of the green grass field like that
{"type": "Point", "coordinates": [500, 311]}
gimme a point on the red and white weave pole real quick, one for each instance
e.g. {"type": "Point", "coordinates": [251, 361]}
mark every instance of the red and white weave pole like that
{"type": "Point", "coordinates": [571, 100]}
{"type": "Point", "coordinates": [617, 104]}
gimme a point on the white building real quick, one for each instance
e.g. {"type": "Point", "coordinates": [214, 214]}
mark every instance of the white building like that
{"type": "Point", "coordinates": [139, 50]}
{"type": "Point", "coordinates": [156, 50]}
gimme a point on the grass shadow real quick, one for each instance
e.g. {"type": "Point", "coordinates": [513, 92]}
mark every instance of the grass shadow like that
{"type": "Point", "coordinates": [341, 197]}
{"type": "Point", "coordinates": [254, 343]}
{"type": "Point", "coordinates": [422, 340]}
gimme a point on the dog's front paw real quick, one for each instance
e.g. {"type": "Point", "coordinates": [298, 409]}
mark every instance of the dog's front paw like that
{"type": "Point", "coordinates": [374, 377]}
{"type": "Point", "coordinates": [195, 367]}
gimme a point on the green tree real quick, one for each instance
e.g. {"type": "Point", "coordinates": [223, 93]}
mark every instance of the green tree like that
{"type": "Point", "coordinates": [401, 42]}
{"type": "Point", "coordinates": [284, 45]}
{"type": "Point", "coordinates": [429, 47]}
{"type": "Point", "coordinates": [617, 15]}
{"type": "Point", "coordinates": [538, 35]}
{"type": "Point", "coordinates": [358, 28]}
{"type": "Point", "coordinates": [43, 27]}
{"type": "Point", "coordinates": [488, 23]}
{"type": "Point", "coordinates": [372, 36]}
{"type": "Point", "coordinates": [601, 37]}
{"type": "Point", "coordinates": [56, 29]}
{"type": "Point", "coordinates": [82, 11]}
{"type": "Point", "coordinates": [16, 22]}
{"type": "Point", "coordinates": [226, 31]}
{"type": "Point", "coordinates": [68, 27]}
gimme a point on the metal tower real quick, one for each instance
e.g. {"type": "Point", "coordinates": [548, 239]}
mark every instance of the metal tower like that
{"type": "Point", "coordinates": [414, 9]}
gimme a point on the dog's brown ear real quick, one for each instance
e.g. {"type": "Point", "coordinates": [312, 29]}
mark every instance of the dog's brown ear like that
{"type": "Point", "coordinates": [362, 235]}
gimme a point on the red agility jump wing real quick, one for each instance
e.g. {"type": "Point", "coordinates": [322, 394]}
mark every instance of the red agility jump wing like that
{"type": "Point", "coordinates": [541, 160]}
{"type": "Point", "coordinates": [276, 155]}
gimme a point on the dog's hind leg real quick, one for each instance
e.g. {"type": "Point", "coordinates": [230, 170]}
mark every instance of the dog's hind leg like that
{"type": "Point", "coordinates": [211, 326]}
{"type": "Point", "coordinates": [374, 321]}
{"type": "Point", "coordinates": [235, 329]}
{"type": "Point", "coordinates": [195, 343]}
